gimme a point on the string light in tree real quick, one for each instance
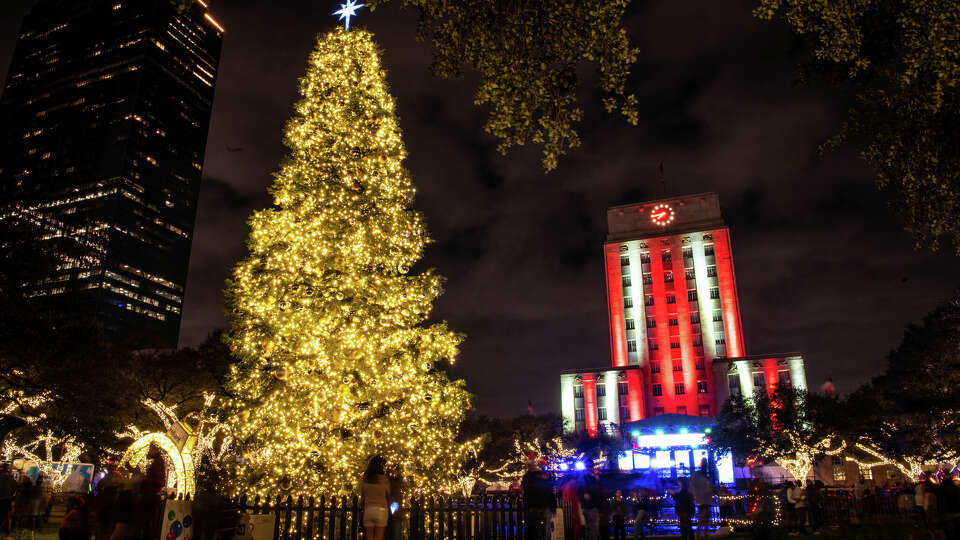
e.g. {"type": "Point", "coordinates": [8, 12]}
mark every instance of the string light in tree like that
{"type": "Point", "coordinates": [335, 361]}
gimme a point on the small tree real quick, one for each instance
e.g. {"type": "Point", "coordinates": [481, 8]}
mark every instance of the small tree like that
{"type": "Point", "coordinates": [788, 427]}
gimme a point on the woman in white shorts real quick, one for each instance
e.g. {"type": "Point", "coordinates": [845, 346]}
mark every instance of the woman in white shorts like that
{"type": "Point", "coordinates": [375, 489]}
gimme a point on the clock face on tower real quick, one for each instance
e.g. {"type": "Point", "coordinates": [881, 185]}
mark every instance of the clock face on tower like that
{"type": "Point", "coordinates": [662, 214]}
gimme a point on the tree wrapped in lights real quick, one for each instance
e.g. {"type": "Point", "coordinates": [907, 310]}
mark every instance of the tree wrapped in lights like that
{"type": "Point", "coordinates": [334, 361]}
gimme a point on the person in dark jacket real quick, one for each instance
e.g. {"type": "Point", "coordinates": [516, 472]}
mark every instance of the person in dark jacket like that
{"type": "Point", "coordinates": [619, 511]}
{"type": "Point", "coordinates": [75, 524]}
{"type": "Point", "coordinates": [684, 505]}
{"type": "Point", "coordinates": [590, 497]}
{"type": "Point", "coordinates": [539, 502]}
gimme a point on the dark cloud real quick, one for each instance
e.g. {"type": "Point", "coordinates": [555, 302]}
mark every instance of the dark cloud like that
{"type": "Point", "coordinates": [822, 266]}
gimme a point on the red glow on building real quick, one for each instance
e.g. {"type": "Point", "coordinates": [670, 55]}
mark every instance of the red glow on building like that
{"type": "Point", "coordinates": [618, 341]}
{"type": "Point", "coordinates": [590, 402]}
{"type": "Point", "coordinates": [728, 293]}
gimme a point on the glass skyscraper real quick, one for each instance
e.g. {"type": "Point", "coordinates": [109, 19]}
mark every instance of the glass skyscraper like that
{"type": "Point", "coordinates": [105, 113]}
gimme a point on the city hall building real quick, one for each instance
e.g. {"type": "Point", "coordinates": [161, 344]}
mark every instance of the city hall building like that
{"type": "Point", "coordinates": [676, 339]}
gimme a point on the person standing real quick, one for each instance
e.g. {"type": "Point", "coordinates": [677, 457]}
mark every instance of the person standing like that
{"type": "Point", "coordinates": [790, 507]}
{"type": "Point", "coordinates": [8, 487]}
{"type": "Point", "coordinates": [814, 506]}
{"type": "Point", "coordinates": [75, 524]}
{"type": "Point", "coordinates": [538, 502]}
{"type": "Point", "coordinates": [375, 489]}
{"type": "Point", "coordinates": [799, 508]}
{"type": "Point", "coordinates": [703, 494]}
{"type": "Point", "coordinates": [684, 507]}
{"type": "Point", "coordinates": [618, 510]}
{"type": "Point", "coordinates": [590, 504]}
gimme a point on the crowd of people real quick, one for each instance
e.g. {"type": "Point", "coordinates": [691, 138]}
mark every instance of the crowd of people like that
{"type": "Point", "coordinates": [597, 513]}
{"type": "Point", "coordinates": [121, 506]}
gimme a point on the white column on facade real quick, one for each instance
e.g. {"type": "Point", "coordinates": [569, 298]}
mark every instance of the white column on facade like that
{"type": "Point", "coordinates": [746, 377]}
{"type": "Point", "coordinates": [707, 332]}
{"type": "Point", "coordinates": [611, 401]}
{"type": "Point", "coordinates": [642, 356]}
{"type": "Point", "coordinates": [567, 406]}
{"type": "Point", "coordinates": [798, 375]}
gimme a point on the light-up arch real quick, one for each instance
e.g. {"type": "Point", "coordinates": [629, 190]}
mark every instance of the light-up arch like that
{"type": "Point", "coordinates": [182, 476]}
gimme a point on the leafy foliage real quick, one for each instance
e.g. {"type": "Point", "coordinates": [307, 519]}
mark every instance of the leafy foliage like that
{"type": "Point", "coordinates": [527, 53]}
{"type": "Point", "coordinates": [919, 393]}
{"type": "Point", "coordinates": [903, 61]}
{"type": "Point", "coordinates": [790, 426]}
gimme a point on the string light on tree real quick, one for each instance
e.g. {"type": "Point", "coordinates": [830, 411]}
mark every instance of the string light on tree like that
{"type": "Point", "coordinates": [334, 360]}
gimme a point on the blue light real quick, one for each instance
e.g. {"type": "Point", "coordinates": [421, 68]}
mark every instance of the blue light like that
{"type": "Point", "coordinates": [635, 434]}
{"type": "Point", "coordinates": [347, 10]}
{"type": "Point", "coordinates": [659, 432]}
{"type": "Point", "coordinates": [707, 430]}
{"type": "Point", "coordinates": [564, 467]}
{"type": "Point", "coordinates": [580, 466]}
{"type": "Point", "coordinates": [684, 430]}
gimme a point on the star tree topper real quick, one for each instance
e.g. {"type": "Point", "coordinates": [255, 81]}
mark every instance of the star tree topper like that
{"type": "Point", "coordinates": [347, 10]}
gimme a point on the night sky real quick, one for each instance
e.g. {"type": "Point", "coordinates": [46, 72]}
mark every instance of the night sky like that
{"type": "Point", "coordinates": [822, 266]}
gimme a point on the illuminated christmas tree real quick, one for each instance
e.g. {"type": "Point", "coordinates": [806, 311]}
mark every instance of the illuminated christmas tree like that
{"type": "Point", "coordinates": [335, 363]}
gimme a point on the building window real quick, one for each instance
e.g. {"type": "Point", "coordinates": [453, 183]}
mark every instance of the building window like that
{"type": "Point", "coordinates": [624, 260]}
{"type": "Point", "coordinates": [673, 322]}
{"type": "Point", "coordinates": [578, 415]}
{"type": "Point", "coordinates": [711, 271]}
{"type": "Point", "coordinates": [701, 387]}
{"type": "Point", "coordinates": [717, 316]}
{"type": "Point", "coordinates": [622, 389]}
{"type": "Point", "coordinates": [704, 410]}
{"type": "Point", "coordinates": [601, 413]}
{"type": "Point", "coordinates": [627, 302]}
{"type": "Point", "coordinates": [578, 390]}
{"type": "Point", "coordinates": [866, 473]}
{"type": "Point", "coordinates": [708, 249]}
{"type": "Point", "coordinates": [647, 279]}
{"type": "Point", "coordinates": [656, 390]}
{"type": "Point", "coordinates": [666, 257]}
{"type": "Point", "coordinates": [626, 280]}
{"type": "Point", "coordinates": [601, 390]}
{"type": "Point", "coordinates": [648, 300]}
{"type": "Point", "coordinates": [652, 345]}
{"type": "Point", "coordinates": [690, 275]}
{"type": "Point", "coordinates": [674, 344]}
{"type": "Point", "coordinates": [651, 323]}
{"type": "Point", "coordinates": [839, 470]}
{"type": "Point", "coordinates": [657, 411]}
{"type": "Point", "coordinates": [630, 324]}
{"type": "Point", "coordinates": [678, 389]}
{"type": "Point", "coordinates": [677, 366]}
{"type": "Point", "coordinates": [783, 377]}
{"type": "Point", "coordinates": [645, 257]}
{"type": "Point", "coordinates": [691, 295]}
{"type": "Point", "coordinates": [671, 299]}
{"type": "Point", "coordinates": [759, 380]}
{"type": "Point", "coordinates": [655, 367]}
{"type": "Point", "coordinates": [720, 341]}
{"type": "Point", "coordinates": [681, 410]}
{"type": "Point", "coordinates": [715, 293]}
{"type": "Point", "coordinates": [631, 345]}
{"type": "Point", "coordinates": [701, 364]}
{"type": "Point", "coordinates": [694, 318]}
{"type": "Point", "coordinates": [668, 277]}
{"type": "Point", "coordinates": [687, 252]}
{"type": "Point", "coordinates": [733, 381]}
{"type": "Point", "coordinates": [624, 414]}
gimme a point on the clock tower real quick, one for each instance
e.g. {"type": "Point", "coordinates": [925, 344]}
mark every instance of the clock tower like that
{"type": "Point", "coordinates": [671, 301]}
